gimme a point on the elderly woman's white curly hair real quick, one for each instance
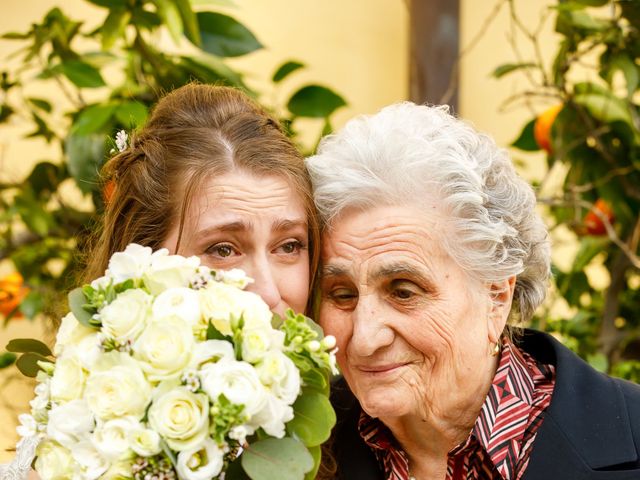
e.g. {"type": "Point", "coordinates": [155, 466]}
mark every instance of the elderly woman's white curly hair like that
{"type": "Point", "coordinates": [407, 154]}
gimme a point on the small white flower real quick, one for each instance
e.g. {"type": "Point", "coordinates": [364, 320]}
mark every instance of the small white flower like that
{"type": "Point", "coordinates": [122, 140]}
{"type": "Point", "coordinates": [313, 346]}
{"type": "Point", "coordinates": [328, 342]}
{"type": "Point", "coordinates": [234, 277]}
{"type": "Point", "coordinates": [239, 434]}
{"type": "Point", "coordinates": [202, 462]}
{"type": "Point", "coordinates": [28, 426]}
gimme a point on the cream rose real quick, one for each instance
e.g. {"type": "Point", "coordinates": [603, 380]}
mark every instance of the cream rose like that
{"type": "Point", "coordinates": [202, 462]}
{"type": "Point", "coordinates": [133, 262]}
{"type": "Point", "coordinates": [220, 303]}
{"type": "Point", "coordinates": [67, 382]}
{"type": "Point", "coordinates": [255, 311]}
{"type": "Point", "coordinates": [238, 381]}
{"type": "Point", "coordinates": [256, 342]}
{"type": "Point", "coordinates": [211, 351]}
{"type": "Point", "coordinates": [92, 464]}
{"type": "Point", "coordinates": [180, 416]}
{"type": "Point", "coordinates": [164, 348]}
{"type": "Point", "coordinates": [181, 302]}
{"type": "Point", "coordinates": [117, 387]}
{"type": "Point", "coordinates": [111, 438]}
{"type": "Point", "coordinates": [280, 374]}
{"type": "Point", "coordinates": [119, 470]}
{"type": "Point", "coordinates": [126, 316]}
{"type": "Point", "coordinates": [144, 441]}
{"type": "Point", "coordinates": [70, 332]}
{"type": "Point", "coordinates": [54, 462]}
{"type": "Point", "coordinates": [169, 271]}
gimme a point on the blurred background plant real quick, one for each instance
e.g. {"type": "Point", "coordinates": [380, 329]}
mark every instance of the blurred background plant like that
{"type": "Point", "coordinates": [590, 131]}
{"type": "Point", "coordinates": [107, 78]}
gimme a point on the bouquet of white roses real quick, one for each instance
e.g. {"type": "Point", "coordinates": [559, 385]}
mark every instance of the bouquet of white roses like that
{"type": "Point", "coordinates": [167, 369]}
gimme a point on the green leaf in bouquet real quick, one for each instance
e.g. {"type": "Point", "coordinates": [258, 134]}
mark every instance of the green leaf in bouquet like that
{"type": "Point", "coordinates": [316, 453]}
{"type": "Point", "coordinates": [28, 345]}
{"type": "Point", "coordinates": [27, 363]}
{"type": "Point", "coordinates": [77, 302]}
{"type": "Point", "coordinates": [277, 459]}
{"type": "Point", "coordinates": [316, 380]}
{"type": "Point", "coordinates": [214, 334]}
{"type": "Point", "coordinates": [315, 101]}
{"type": "Point", "coordinates": [285, 70]}
{"type": "Point", "coordinates": [314, 418]}
{"type": "Point", "coordinates": [225, 36]}
{"type": "Point", "coordinates": [7, 359]}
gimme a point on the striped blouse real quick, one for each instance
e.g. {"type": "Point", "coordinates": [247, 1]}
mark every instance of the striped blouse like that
{"type": "Point", "coordinates": [500, 443]}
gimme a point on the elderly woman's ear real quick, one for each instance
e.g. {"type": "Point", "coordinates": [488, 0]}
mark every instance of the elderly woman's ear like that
{"type": "Point", "coordinates": [501, 294]}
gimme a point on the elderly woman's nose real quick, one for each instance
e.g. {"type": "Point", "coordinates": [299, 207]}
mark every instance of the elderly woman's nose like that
{"type": "Point", "coordinates": [264, 282]}
{"type": "Point", "coordinates": [370, 332]}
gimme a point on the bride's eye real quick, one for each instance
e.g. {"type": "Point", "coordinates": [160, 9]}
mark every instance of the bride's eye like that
{"type": "Point", "coordinates": [291, 247]}
{"type": "Point", "coordinates": [222, 250]}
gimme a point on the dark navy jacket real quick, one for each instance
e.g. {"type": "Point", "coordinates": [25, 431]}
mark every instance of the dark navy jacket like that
{"type": "Point", "coordinates": [591, 430]}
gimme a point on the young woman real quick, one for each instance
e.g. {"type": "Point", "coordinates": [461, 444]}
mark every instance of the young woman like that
{"type": "Point", "coordinates": [212, 174]}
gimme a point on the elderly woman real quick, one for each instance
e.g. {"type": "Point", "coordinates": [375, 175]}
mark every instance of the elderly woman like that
{"type": "Point", "coordinates": [432, 251]}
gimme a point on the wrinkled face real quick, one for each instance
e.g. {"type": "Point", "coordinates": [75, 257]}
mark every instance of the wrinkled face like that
{"type": "Point", "coordinates": [414, 330]}
{"type": "Point", "coordinates": [257, 224]}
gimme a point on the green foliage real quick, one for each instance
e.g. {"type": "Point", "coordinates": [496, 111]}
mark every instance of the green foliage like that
{"type": "Point", "coordinates": [596, 139]}
{"type": "Point", "coordinates": [284, 458]}
{"type": "Point", "coordinates": [119, 65]}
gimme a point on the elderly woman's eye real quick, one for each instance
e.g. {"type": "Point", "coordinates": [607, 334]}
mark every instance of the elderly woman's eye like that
{"type": "Point", "coordinates": [343, 295]}
{"type": "Point", "coordinates": [403, 290]}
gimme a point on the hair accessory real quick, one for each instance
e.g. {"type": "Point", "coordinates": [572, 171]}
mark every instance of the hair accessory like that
{"type": "Point", "coordinates": [122, 140]}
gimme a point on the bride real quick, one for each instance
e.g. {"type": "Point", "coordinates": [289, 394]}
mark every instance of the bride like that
{"type": "Point", "coordinates": [210, 174]}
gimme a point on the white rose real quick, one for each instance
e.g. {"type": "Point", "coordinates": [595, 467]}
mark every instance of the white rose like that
{"type": "Point", "coordinates": [169, 271]}
{"type": "Point", "coordinates": [117, 387]}
{"type": "Point", "coordinates": [181, 302]}
{"type": "Point", "coordinates": [87, 350]}
{"type": "Point", "coordinates": [219, 303]}
{"type": "Point", "coordinates": [92, 464]}
{"type": "Point", "coordinates": [67, 382]}
{"type": "Point", "coordinates": [144, 441]}
{"type": "Point", "coordinates": [281, 375]}
{"type": "Point", "coordinates": [28, 426]}
{"type": "Point", "coordinates": [70, 422]}
{"type": "Point", "coordinates": [255, 311]}
{"type": "Point", "coordinates": [211, 351]}
{"type": "Point", "coordinates": [132, 263]}
{"type": "Point", "coordinates": [238, 381]}
{"type": "Point", "coordinates": [202, 462]}
{"type": "Point", "coordinates": [164, 348]}
{"type": "Point", "coordinates": [70, 332]}
{"type": "Point", "coordinates": [273, 416]}
{"type": "Point", "coordinates": [180, 416]}
{"type": "Point", "coordinates": [54, 462]}
{"type": "Point", "coordinates": [257, 340]}
{"type": "Point", "coordinates": [111, 438]}
{"type": "Point", "coordinates": [126, 316]}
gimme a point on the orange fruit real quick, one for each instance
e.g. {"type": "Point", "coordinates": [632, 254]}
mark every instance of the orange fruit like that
{"type": "Point", "coordinates": [542, 127]}
{"type": "Point", "coordinates": [12, 292]}
{"type": "Point", "coordinates": [592, 221]}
